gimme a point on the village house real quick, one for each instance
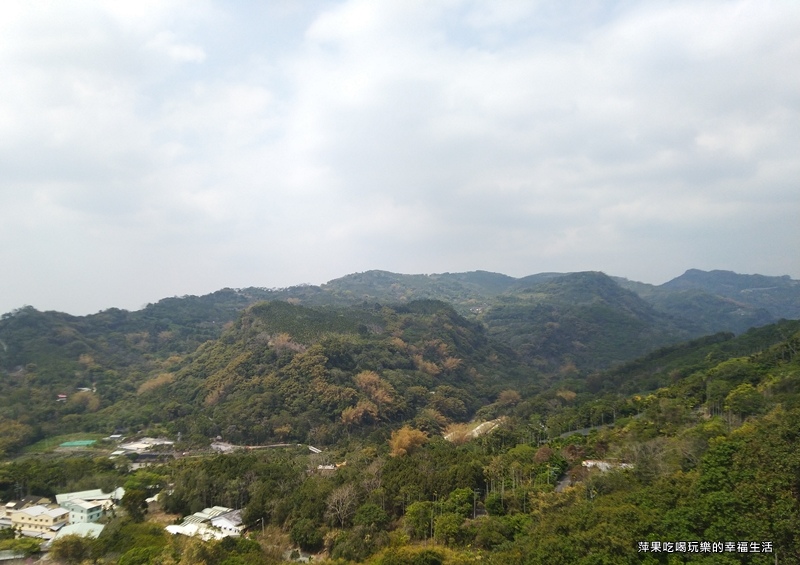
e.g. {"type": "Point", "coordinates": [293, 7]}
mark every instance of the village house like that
{"type": "Point", "coordinates": [229, 523]}
{"type": "Point", "coordinates": [84, 511]}
{"type": "Point", "coordinates": [13, 505]}
{"type": "Point", "coordinates": [26, 502]}
{"type": "Point", "coordinates": [39, 521]}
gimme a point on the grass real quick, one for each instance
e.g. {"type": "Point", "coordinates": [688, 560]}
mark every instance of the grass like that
{"type": "Point", "coordinates": [50, 443]}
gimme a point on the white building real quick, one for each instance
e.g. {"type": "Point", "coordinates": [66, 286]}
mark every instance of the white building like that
{"type": "Point", "coordinates": [216, 522]}
{"type": "Point", "coordinates": [84, 511]}
{"type": "Point", "coordinates": [95, 495]}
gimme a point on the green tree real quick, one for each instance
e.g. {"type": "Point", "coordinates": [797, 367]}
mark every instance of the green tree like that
{"type": "Point", "coordinates": [140, 556]}
{"type": "Point", "coordinates": [419, 518]}
{"type": "Point", "coordinates": [71, 549]}
{"type": "Point", "coordinates": [459, 502]}
{"type": "Point", "coordinates": [135, 504]}
{"type": "Point", "coordinates": [28, 546]}
{"type": "Point", "coordinates": [447, 527]}
{"type": "Point", "coordinates": [744, 400]}
{"type": "Point", "coordinates": [371, 516]}
{"type": "Point", "coordinates": [305, 533]}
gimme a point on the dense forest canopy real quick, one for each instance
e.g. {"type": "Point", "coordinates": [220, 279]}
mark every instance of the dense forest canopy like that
{"type": "Point", "coordinates": [453, 418]}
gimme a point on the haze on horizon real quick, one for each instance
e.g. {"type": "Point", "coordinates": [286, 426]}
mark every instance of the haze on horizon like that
{"type": "Point", "coordinates": [163, 148]}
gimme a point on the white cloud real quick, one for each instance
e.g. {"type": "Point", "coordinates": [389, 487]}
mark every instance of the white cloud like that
{"type": "Point", "coordinates": [165, 42]}
{"type": "Point", "coordinates": [180, 147]}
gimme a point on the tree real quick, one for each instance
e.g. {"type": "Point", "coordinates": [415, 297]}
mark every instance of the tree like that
{"type": "Point", "coordinates": [744, 400]}
{"type": "Point", "coordinates": [508, 398]}
{"type": "Point", "coordinates": [447, 527]}
{"type": "Point", "coordinates": [341, 504]}
{"type": "Point", "coordinates": [28, 546]}
{"type": "Point", "coordinates": [135, 503]}
{"type": "Point", "coordinates": [371, 516]}
{"type": "Point", "coordinates": [460, 502]}
{"type": "Point", "coordinates": [305, 533]}
{"type": "Point", "coordinates": [71, 549]}
{"type": "Point", "coordinates": [418, 519]}
{"type": "Point", "coordinates": [405, 440]}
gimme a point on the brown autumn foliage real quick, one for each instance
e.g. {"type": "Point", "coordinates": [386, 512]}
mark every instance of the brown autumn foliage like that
{"type": "Point", "coordinates": [458, 433]}
{"type": "Point", "coordinates": [154, 383]}
{"type": "Point", "coordinates": [542, 454]}
{"type": "Point", "coordinates": [405, 440]}
{"type": "Point", "coordinates": [426, 366]}
{"type": "Point", "coordinates": [361, 413]}
{"type": "Point", "coordinates": [451, 363]}
{"type": "Point", "coordinates": [283, 342]}
{"type": "Point", "coordinates": [509, 398]}
{"type": "Point", "coordinates": [378, 390]}
{"type": "Point", "coordinates": [88, 401]}
{"type": "Point", "coordinates": [88, 361]}
{"type": "Point", "coordinates": [566, 395]}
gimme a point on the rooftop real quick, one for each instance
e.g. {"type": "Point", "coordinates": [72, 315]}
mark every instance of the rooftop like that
{"type": "Point", "coordinates": [84, 530]}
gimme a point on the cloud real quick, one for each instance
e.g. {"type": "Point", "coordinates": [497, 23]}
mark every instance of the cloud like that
{"type": "Point", "coordinates": [152, 149]}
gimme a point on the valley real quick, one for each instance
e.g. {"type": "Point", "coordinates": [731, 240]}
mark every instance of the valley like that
{"type": "Point", "coordinates": [443, 411]}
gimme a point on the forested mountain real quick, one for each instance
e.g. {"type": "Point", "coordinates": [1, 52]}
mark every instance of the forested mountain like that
{"type": "Point", "coordinates": [579, 322]}
{"type": "Point", "coordinates": [287, 372]}
{"type": "Point", "coordinates": [723, 300]}
{"type": "Point", "coordinates": [778, 295]}
{"type": "Point", "coordinates": [696, 425]}
{"type": "Point", "coordinates": [699, 439]}
{"type": "Point", "coordinates": [174, 360]}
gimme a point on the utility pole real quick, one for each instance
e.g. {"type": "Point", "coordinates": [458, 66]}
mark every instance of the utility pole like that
{"type": "Point", "coordinates": [432, 539]}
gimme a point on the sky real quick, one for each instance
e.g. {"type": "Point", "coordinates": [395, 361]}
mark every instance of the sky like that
{"type": "Point", "coordinates": [166, 147]}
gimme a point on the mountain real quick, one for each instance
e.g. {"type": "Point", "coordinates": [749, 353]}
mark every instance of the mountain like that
{"type": "Point", "coordinates": [780, 296]}
{"type": "Point", "coordinates": [188, 359]}
{"type": "Point", "coordinates": [286, 372]}
{"type": "Point", "coordinates": [466, 292]}
{"type": "Point", "coordinates": [578, 321]}
{"type": "Point", "coordinates": [722, 300]}
{"type": "Point", "coordinates": [667, 365]}
{"type": "Point", "coordinates": [698, 440]}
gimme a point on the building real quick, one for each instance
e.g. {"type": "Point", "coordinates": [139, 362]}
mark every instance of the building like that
{"type": "Point", "coordinates": [146, 444]}
{"type": "Point", "coordinates": [39, 521]}
{"type": "Point", "coordinates": [84, 511]}
{"type": "Point", "coordinates": [216, 522]}
{"type": "Point", "coordinates": [12, 506]}
{"type": "Point", "coordinates": [83, 530]}
{"type": "Point", "coordinates": [229, 523]}
{"type": "Point", "coordinates": [95, 495]}
{"type": "Point", "coordinates": [26, 502]}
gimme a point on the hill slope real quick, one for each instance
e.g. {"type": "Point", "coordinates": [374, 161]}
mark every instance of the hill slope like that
{"type": "Point", "coordinates": [579, 321]}
{"type": "Point", "coordinates": [285, 372]}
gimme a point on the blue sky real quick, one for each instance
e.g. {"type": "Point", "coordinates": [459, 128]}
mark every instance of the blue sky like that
{"type": "Point", "coordinates": [153, 149]}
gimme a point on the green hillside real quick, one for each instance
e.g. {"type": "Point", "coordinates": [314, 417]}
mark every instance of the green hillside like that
{"type": "Point", "coordinates": [127, 370]}
{"type": "Point", "coordinates": [579, 322]}
{"type": "Point", "coordinates": [700, 439]}
{"type": "Point", "coordinates": [780, 296]}
{"type": "Point", "coordinates": [285, 372]}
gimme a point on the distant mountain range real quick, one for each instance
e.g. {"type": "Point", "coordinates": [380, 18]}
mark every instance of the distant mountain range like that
{"type": "Point", "coordinates": [555, 320]}
{"type": "Point", "coordinates": [367, 347]}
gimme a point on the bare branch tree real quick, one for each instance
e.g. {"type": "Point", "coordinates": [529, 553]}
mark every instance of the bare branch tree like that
{"type": "Point", "coordinates": [342, 504]}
